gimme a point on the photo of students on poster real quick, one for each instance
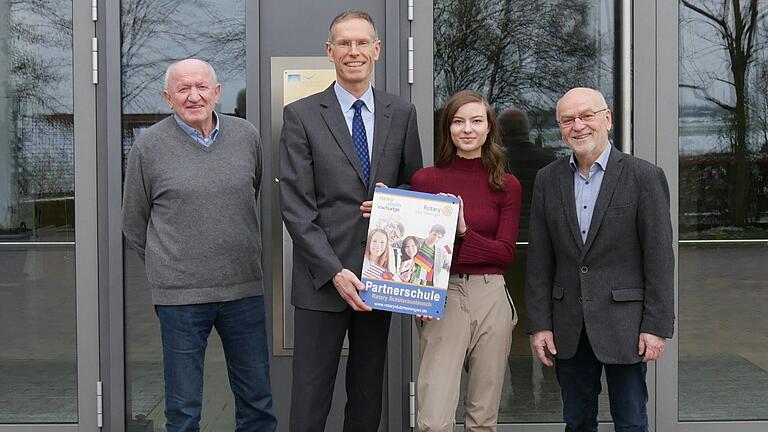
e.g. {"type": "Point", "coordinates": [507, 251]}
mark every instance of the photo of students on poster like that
{"type": "Point", "coordinates": [408, 251]}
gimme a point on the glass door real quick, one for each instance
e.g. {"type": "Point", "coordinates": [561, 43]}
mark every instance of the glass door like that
{"type": "Point", "coordinates": [722, 152]}
{"type": "Point", "coordinates": [151, 41]}
{"type": "Point", "coordinates": [49, 355]}
{"type": "Point", "coordinates": [522, 56]}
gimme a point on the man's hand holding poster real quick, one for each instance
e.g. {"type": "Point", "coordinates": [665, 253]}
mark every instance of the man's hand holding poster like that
{"type": "Point", "coordinates": [408, 251]}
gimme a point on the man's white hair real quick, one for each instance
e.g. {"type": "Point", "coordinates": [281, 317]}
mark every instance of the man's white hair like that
{"type": "Point", "coordinates": [169, 71]}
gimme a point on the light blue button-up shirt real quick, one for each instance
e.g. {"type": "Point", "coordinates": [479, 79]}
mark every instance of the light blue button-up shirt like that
{"type": "Point", "coordinates": [346, 99]}
{"type": "Point", "coordinates": [587, 188]}
{"type": "Point", "coordinates": [196, 135]}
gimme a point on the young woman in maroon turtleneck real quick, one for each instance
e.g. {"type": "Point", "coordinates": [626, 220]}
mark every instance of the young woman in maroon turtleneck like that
{"type": "Point", "coordinates": [476, 329]}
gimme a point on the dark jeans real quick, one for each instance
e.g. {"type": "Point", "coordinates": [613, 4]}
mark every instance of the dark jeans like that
{"type": "Point", "coordinates": [241, 326]}
{"type": "Point", "coordinates": [579, 379]}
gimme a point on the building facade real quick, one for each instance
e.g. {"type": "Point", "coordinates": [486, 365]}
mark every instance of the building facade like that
{"type": "Point", "coordinates": [687, 82]}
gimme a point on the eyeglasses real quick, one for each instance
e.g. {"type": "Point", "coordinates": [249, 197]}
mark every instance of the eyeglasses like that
{"type": "Point", "coordinates": [346, 45]}
{"type": "Point", "coordinates": [585, 117]}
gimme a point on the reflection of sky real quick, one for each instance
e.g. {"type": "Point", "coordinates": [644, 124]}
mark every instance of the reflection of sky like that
{"type": "Point", "coordinates": [157, 49]}
{"type": "Point", "coordinates": [600, 31]}
{"type": "Point", "coordinates": [703, 59]}
{"type": "Point", "coordinates": [52, 47]}
{"type": "Point", "coordinates": [206, 23]}
{"type": "Point", "coordinates": [605, 30]}
{"type": "Point", "coordinates": [702, 56]}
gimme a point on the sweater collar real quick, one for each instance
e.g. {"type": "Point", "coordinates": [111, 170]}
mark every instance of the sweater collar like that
{"type": "Point", "coordinates": [459, 163]}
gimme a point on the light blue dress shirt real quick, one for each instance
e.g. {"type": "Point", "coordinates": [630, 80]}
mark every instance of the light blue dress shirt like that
{"type": "Point", "coordinates": [346, 99]}
{"type": "Point", "coordinates": [586, 189]}
{"type": "Point", "coordinates": [196, 135]}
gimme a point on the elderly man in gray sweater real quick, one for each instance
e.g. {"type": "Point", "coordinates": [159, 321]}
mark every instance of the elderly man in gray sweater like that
{"type": "Point", "coordinates": [189, 209]}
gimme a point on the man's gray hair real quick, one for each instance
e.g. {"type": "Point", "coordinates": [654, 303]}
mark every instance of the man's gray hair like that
{"type": "Point", "coordinates": [351, 14]}
{"type": "Point", "coordinates": [169, 70]}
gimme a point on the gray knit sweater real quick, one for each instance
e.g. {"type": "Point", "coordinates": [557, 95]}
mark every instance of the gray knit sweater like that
{"type": "Point", "coordinates": [190, 211]}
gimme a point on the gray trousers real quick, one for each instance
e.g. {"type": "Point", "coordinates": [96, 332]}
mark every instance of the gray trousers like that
{"type": "Point", "coordinates": [475, 333]}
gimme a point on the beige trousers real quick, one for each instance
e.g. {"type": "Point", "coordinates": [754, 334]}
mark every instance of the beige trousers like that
{"type": "Point", "coordinates": [475, 333]}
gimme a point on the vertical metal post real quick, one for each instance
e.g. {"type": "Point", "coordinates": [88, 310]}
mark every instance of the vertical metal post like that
{"type": "Point", "coordinates": [422, 91]}
{"type": "Point", "coordinates": [624, 87]}
{"type": "Point", "coordinates": [667, 157]}
{"type": "Point", "coordinates": [393, 48]}
{"type": "Point", "coordinates": [110, 237]}
{"type": "Point", "coordinates": [86, 218]}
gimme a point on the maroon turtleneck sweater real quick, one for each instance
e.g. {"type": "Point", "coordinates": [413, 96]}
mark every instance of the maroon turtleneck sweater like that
{"type": "Point", "coordinates": [492, 216]}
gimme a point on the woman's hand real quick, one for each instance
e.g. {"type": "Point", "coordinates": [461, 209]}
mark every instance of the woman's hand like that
{"type": "Point", "coordinates": [461, 226]}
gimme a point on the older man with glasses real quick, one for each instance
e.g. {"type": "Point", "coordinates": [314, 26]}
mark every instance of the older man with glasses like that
{"type": "Point", "coordinates": [600, 278]}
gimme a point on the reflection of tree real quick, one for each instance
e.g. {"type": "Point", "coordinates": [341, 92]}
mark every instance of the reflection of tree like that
{"type": "Point", "coordinates": [141, 21]}
{"type": "Point", "coordinates": [156, 33]}
{"type": "Point", "coordinates": [36, 50]}
{"type": "Point", "coordinates": [759, 105]}
{"type": "Point", "coordinates": [517, 52]}
{"type": "Point", "coordinates": [736, 25]}
{"type": "Point", "coordinates": [40, 30]}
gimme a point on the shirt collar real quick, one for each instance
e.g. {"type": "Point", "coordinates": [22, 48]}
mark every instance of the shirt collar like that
{"type": "Point", "coordinates": [196, 133]}
{"type": "Point", "coordinates": [346, 99]}
{"type": "Point", "coordinates": [601, 162]}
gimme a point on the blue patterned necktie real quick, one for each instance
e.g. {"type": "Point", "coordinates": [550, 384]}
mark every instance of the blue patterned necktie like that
{"type": "Point", "coordinates": [360, 140]}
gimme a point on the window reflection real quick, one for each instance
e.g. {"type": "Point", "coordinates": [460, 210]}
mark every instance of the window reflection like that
{"type": "Point", "coordinates": [723, 190]}
{"type": "Point", "coordinates": [36, 129]}
{"type": "Point", "coordinates": [723, 120]}
{"type": "Point", "coordinates": [723, 360]}
{"type": "Point", "coordinates": [523, 55]}
{"type": "Point", "coordinates": [38, 358]}
{"type": "Point", "coordinates": [153, 36]}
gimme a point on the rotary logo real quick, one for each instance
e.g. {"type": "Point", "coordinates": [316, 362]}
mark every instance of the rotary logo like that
{"type": "Point", "coordinates": [447, 210]}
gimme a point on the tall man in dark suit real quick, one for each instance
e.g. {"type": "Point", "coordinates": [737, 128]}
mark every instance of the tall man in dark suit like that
{"type": "Point", "coordinates": [600, 268]}
{"type": "Point", "coordinates": [334, 147]}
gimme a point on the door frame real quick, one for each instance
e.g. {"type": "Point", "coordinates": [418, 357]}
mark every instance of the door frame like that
{"type": "Point", "coordinates": [86, 220]}
{"type": "Point", "coordinates": [86, 245]}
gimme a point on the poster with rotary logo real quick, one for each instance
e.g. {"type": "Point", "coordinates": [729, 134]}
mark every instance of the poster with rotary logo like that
{"type": "Point", "coordinates": [408, 251]}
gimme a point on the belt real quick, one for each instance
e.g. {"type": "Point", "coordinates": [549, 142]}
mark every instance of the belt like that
{"type": "Point", "coordinates": [466, 276]}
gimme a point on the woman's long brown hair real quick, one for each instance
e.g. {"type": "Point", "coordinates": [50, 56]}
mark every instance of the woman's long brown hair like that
{"type": "Point", "coordinates": [493, 156]}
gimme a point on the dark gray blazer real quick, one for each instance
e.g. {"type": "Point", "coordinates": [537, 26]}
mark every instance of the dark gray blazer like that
{"type": "Point", "coordinates": [620, 282]}
{"type": "Point", "coordinates": [321, 186]}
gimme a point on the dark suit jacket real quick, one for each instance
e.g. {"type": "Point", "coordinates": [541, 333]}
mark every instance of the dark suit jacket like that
{"type": "Point", "coordinates": [620, 282]}
{"type": "Point", "coordinates": [321, 186]}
